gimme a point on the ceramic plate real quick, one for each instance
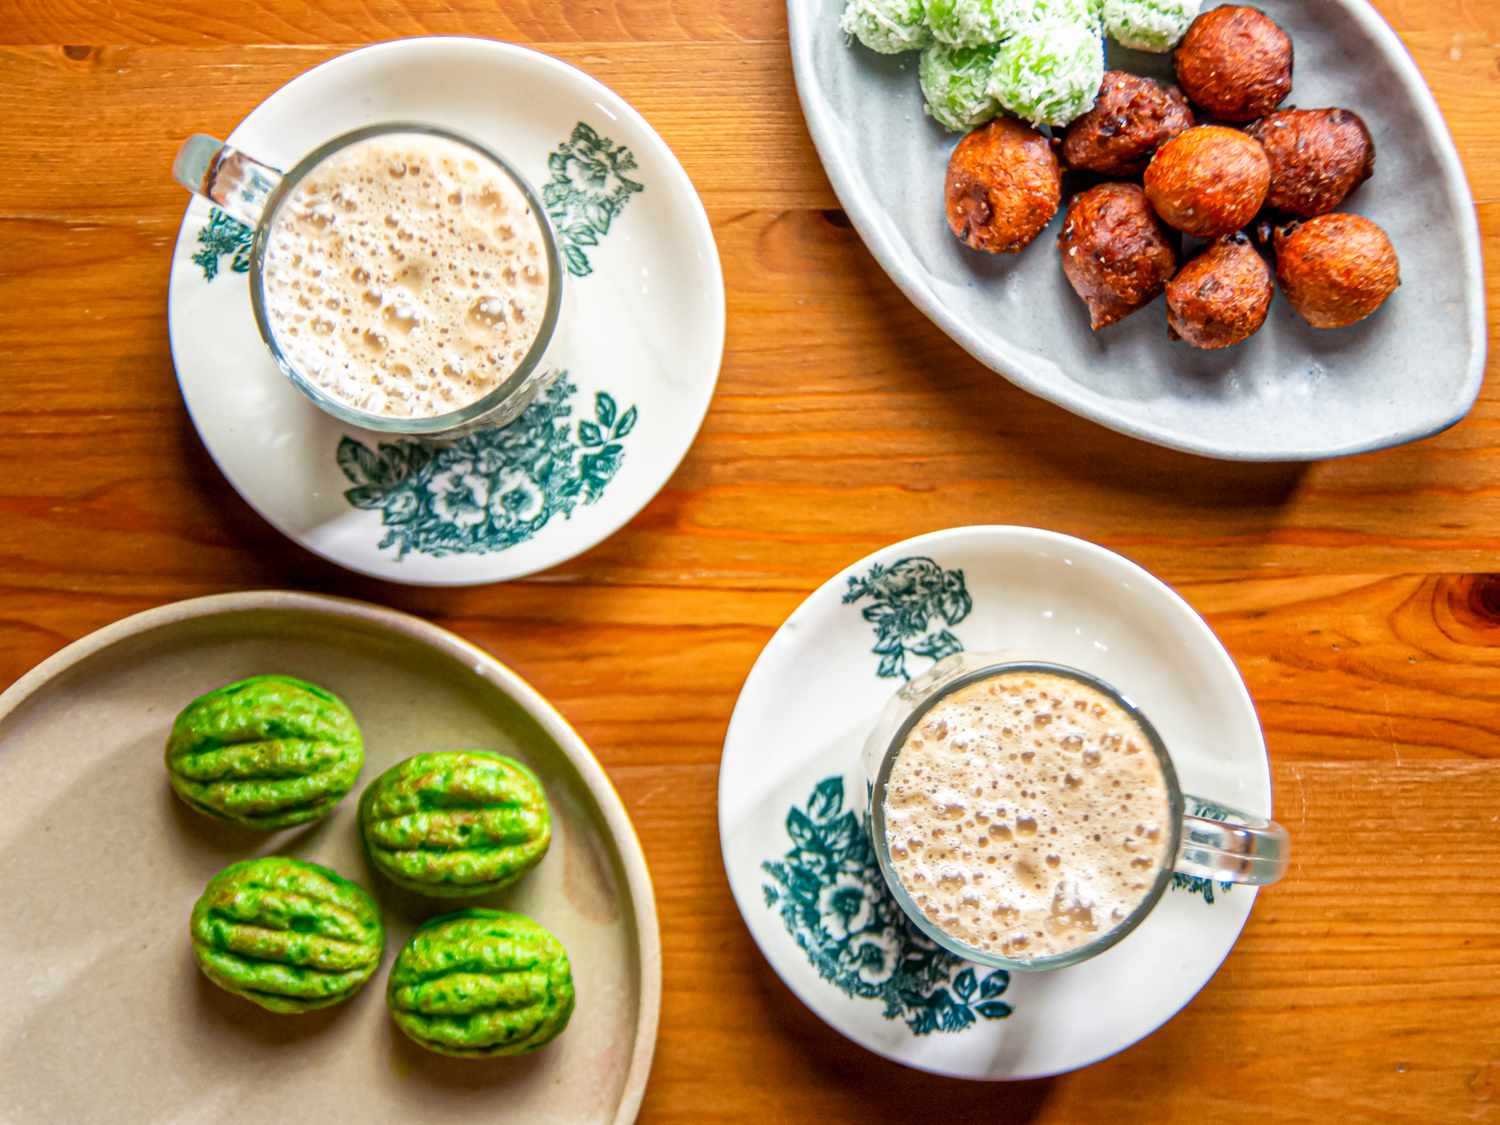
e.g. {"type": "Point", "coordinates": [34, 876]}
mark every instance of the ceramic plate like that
{"type": "Point", "coordinates": [640, 340]}
{"type": "Point", "coordinates": [1290, 392]}
{"type": "Point", "coordinates": [107, 1018]}
{"type": "Point", "coordinates": [792, 796]}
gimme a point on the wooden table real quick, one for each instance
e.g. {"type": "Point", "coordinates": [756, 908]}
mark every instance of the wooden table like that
{"type": "Point", "coordinates": [1356, 595]}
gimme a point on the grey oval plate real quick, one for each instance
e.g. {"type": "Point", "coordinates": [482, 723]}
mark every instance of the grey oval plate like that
{"type": "Point", "coordinates": [1291, 392]}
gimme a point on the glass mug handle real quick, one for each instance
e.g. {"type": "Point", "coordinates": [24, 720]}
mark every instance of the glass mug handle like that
{"type": "Point", "coordinates": [1228, 846]}
{"type": "Point", "coordinates": [225, 176]}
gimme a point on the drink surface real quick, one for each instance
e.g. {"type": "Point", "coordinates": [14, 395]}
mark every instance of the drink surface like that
{"type": "Point", "coordinates": [406, 276]}
{"type": "Point", "coordinates": [1026, 814]}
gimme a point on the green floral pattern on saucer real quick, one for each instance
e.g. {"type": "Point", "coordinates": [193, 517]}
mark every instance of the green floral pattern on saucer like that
{"type": "Point", "coordinates": [830, 894]}
{"type": "Point", "coordinates": [911, 603]}
{"type": "Point", "coordinates": [588, 190]}
{"type": "Point", "coordinates": [1198, 885]}
{"type": "Point", "coordinates": [828, 888]}
{"type": "Point", "coordinates": [223, 237]}
{"type": "Point", "coordinates": [493, 488]}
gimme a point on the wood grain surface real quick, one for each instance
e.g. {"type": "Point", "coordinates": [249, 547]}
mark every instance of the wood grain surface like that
{"type": "Point", "coordinates": [1359, 597]}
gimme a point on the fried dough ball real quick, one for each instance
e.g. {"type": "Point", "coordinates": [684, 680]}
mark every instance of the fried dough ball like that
{"type": "Point", "coordinates": [1336, 269]}
{"type": "Point", "coordinates": [1222, 296]}
{"type": "Point", "coordinates": [1318, 156]}
{"type": "Point", "coordinates": [1004, 185]}
{"type": "Point", "coordinates": [1209, 181]}
{"type": "Point", "coordinates": [1132, 117]}
{"type": "Point", "coordinates": [1235, 63]}
{"type": "Point", "coordinates": [1115, 252]}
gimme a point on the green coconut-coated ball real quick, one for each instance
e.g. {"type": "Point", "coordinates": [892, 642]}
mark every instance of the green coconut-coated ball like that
{"type": "Point", "coordinates": [1149, 25]}
{"type": "Point", "coordinates": [972, 23]}
{"type": "Point", "coordinates": [1082, 12]}
{"type": "Point", "coordinates": [887, 26]}
{"type": "Point", "coordinates": [455, 823]}
{"type": "Point", "coordinates": [285, 934]}
{"type": "Point", "coordinates": [481, 983]}
{"type": "Point", "coordinates": [267, 752]}
{"type": "Point", "coordinates": [1049, 73]}
{"type": "Point", "coordinates": [955, 83]}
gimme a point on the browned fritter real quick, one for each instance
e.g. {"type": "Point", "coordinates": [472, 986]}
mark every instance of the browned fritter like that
{"type": "Point", "coordinates": [1235, 63]}
{"type": "Point", "coordinates": [1221, 297]}
{"type": "Point", "coordinates": [1004, 185]}
{"type": "Point", "coordinates": [1132, 117]}
{"type": "Point", "coordinates": [1209, 181]}
{"type": "Point", "coordinates": [1336, 269]}
{"type": "Point", "coordinates": [1115, 252]}
{"type": "Point", "coordinates": [1318, 156]}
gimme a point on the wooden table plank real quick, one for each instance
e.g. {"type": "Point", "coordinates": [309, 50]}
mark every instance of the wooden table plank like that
{"type": "Point", "coordinates": [1357, 596]}
{"type": "Point", "coordinates": [258, 22]}
{"type": "Point", "coordinates": [749, 150]}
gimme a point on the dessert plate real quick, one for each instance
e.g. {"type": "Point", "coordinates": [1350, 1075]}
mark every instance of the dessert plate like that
{"type": "Point", "coordinates": [792, 796]}
{"type": "Point", "coordinates": [107, 1018]}
{"type": "Point", "coordinates": [1291, 392]}
{"type": "Point", "coordinates": [639, 344]}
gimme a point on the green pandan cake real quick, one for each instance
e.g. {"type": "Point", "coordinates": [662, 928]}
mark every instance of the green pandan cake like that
{"type": "Point", "coordinates": [285, 934]}
{"type": "Point", "coordinates": [480, 983]}
{"type": "Point", "coordinates": [267, 752]}
{"type": "Point", "coordinates": [455, 823]}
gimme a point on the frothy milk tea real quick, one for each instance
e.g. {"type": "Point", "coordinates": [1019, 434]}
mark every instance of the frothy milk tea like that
{"type": "Point", "coordinates": [406, 276]}
{"type": "Point", "coordinates": [1027, 814]}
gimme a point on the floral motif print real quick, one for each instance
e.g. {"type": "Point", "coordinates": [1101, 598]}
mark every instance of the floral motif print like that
{"type": "Point", "coordinates": [1198, 885]}
{"type": "Point", "coordinates": [911, 602]}
{"type": "Point", "coordinates": [493, 488]}
{"type": "Point", "coordinates": [223, 237]}
{"type": "Point", "coordinates": [833, 901]}
{"type": "Point", "coordinates": [588, 190]}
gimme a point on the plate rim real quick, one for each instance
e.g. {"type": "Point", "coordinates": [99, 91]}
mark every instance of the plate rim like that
{"type": "Point", "coordinates": [1455, 182]}
{"type": "Point", "coordinates": [926, 542]}
{"type": "Point", "coordinates": [500, 676]}
{"type": "Point", "coordinates": [696, 214]}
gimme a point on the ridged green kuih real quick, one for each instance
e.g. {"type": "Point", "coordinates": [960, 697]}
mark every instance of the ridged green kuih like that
{"type": "Point", "coordinates": [288, 935]}
{"type": "Point", "coordinates": [481, 983]}
{"type": "Point", "coordinates": [267, 752]}
{"type": "Point", "coordinates": [455, 823]}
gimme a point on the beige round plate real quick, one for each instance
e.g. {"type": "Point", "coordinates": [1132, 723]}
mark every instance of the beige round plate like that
{"type": "Point", "coordinates": [105, 1016]}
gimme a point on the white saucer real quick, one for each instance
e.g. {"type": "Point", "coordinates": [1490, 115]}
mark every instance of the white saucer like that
{"type": "Point", "coordinates": [641, 338]}
{"type": "Point", "coordinates": [792, 795]}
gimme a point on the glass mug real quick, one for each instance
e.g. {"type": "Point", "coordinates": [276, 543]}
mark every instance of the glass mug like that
{"type": "Point", "coordinates": [1234, 848]}
{"type": "Point", "coordinates": [253, 193]}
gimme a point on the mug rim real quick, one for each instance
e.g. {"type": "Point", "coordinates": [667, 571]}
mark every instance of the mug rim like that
{"type": "Point", "coordinates": [879, 842]}
{"type": "Point", "coordinates": [437, 423]}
